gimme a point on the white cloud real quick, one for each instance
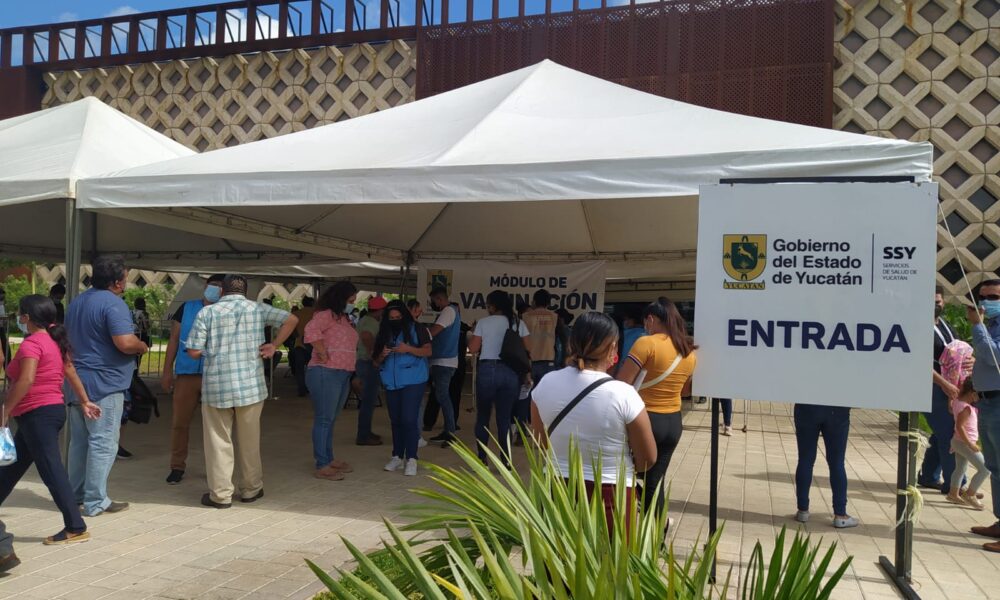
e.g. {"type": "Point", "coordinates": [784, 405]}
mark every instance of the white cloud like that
{"type": "Point", "coordinates": [122, 11]}
{"type": "Point", "coordinates": [67, 16]}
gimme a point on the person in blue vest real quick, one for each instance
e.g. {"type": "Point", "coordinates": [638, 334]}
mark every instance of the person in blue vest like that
{"type": "Point", "coordinates": [182, 375]}
{"type": "Point", "coordinates": [402, 348]}
{"type": "Point", "coordinates": [445, 331]}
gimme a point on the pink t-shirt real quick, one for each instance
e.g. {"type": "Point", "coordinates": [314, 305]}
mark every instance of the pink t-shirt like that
{"type": "Point", "coordinates": [47, 388]}
{"type": "Point", "coordinates": [971, 423]}
{"type": "Point", "coordinates": [339, 338]}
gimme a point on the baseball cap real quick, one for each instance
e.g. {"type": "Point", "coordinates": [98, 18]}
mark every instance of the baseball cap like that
{"type": "Point", "coordinates": [377, 303]}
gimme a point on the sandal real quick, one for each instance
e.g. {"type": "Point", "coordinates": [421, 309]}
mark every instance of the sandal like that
{"type": "Point", "coordinates": [341, 466]}
{"type": "Point", "coordinates": [65, 537]}
{"type": "Point", "coordinates": [329, 474]}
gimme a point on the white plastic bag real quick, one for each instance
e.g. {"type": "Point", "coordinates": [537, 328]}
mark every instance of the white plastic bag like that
{"type": "Point", "coordinates": [8, 453]}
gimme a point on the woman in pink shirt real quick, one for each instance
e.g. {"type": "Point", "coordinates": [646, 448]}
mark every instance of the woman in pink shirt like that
{"type": "Point", "coordinates": [35, 400]}
{"type": "Point", "coordinates": [335, 345]}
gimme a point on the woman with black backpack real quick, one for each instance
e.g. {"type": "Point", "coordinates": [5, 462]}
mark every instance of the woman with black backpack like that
{"type": "Point", "coordinates": [500, 370]}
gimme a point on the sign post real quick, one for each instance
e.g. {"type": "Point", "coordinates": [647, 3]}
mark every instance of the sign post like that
{"type": "Point", "coordinates": [820, 293]}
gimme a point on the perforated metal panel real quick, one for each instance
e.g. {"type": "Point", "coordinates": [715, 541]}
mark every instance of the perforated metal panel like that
{"type": "Point", "coordinates": [766, 58]}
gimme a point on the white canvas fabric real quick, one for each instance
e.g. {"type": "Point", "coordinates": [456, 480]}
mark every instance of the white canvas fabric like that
{"type": "Point", "coordinates": [544, 163]}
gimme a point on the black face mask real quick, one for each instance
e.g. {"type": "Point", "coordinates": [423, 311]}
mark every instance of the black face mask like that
{"type": "Point", "coordinates": [396, 326]}
{"type": "Point", "coordinates": [938, 310]}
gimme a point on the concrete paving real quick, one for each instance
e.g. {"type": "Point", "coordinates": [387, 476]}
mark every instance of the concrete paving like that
{"type": "Point", "coordinates": [168, 546]}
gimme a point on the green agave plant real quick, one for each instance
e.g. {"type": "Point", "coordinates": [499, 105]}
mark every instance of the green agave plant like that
{"type": "Point", "coordinates": [485, 532]}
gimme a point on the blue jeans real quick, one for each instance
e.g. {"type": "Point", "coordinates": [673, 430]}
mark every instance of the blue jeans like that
{"type": "Point", "coordinates": [37, 441]}
{"type": "Point", "coordinates": [328, 389]}
{"type": "Point", "coordinates": [497, 388]}
{"type": "Point", "coordinates": [369, 396]}
{"type": "Point", "coordinates": [404, 411]}
{"type": "Point", "coordinates": [441, 376]}
{"type": "Point", "coordinates": [522, 408]}
{"type": "Point", "coordinates": [989, 436]}
{"type": "Point", "coordinates": [6, 539]}
{"type": "Point", "coordinates": [939, 462]}
{"type": "Point", "coordinates": [834, 423]}
{"type": "Point", "coordinates": [727, 411]}
{"type": "Point", "coordinates": [93, 446]}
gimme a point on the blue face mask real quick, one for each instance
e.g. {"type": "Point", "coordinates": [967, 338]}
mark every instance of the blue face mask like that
{"type": "Point", "coordinates": [213, 293]}
{"type": "Point", "coordinates": [23, 327]}
{"type": "Point", "coordinates": [991, 308]}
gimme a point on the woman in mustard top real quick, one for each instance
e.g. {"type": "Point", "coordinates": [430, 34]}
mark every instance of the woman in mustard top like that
{"type": "Point", "coordinates": [660, 365]}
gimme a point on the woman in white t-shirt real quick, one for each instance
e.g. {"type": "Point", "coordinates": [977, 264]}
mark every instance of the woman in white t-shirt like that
{"type": "Point", "coordinates": [609, 424]}
{"type": "Point", "coordinates": [497, 385]}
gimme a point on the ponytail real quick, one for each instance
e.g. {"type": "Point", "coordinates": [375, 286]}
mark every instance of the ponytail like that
{"type": "Point", "coordinates": [41, 311]}
{"type": "Point", "coordinates": [500, 300]}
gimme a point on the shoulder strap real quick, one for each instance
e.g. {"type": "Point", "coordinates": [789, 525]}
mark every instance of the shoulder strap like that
{"type": "Point", "coordinates": [664, 375]}
{"type": "Point", "coordinates": [572, 404]}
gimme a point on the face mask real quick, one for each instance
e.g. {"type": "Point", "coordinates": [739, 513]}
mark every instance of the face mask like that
{"type": "Point", "coordinates": [992, 308]}
{"type": "Point", "coordinates": [213, 293]}
{"type": "Point", "coordinates": [938, 310]}
{"type": "Point", "coordinates": [23, 327]}
{"type": "Point", "coordinates": [396, 326]}
{"type": "Point", "coordinates": [348, 309]}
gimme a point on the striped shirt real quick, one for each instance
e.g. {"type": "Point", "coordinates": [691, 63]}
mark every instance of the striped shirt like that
{"type": "Point", "coordinates": [230, 333]}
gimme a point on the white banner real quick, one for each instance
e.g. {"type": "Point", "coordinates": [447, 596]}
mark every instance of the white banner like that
{"type": "Point", "coordinates": [817, 293]}
{"type": "Point", "coordinates": [577, 287]}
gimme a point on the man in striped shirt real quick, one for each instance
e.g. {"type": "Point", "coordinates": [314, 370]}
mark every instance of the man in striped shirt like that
{"type": "Point", "coordinates": [230, 336]}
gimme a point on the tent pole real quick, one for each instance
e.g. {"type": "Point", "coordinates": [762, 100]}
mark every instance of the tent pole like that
{"type": "Point", "coordinates": [900, 572]}
{"type": "Point", "coordinates": [73, 250]}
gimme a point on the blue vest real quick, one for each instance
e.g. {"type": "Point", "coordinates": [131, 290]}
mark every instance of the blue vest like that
{"type": "Point", "coordinates": [403, 369]}
{"type": "Point", "coordinates": [445, 344]}
{"type": "Point", "coordinates": [184, 364]}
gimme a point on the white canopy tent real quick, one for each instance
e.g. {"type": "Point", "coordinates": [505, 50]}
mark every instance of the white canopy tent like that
{"type": "Point", "coordinates": [43, 155]}
{"type": "Point", "coordinates": [541, 164]}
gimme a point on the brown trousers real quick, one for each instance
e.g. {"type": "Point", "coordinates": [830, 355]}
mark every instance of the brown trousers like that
{"type": "Point", "coordinates": [187, 393]}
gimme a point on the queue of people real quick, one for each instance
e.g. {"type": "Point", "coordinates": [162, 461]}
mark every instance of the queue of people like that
{"type": "Point", "coordinates": [616, 391]}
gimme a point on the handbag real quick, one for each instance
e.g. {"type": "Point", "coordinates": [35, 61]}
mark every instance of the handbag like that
{"type": "Point", "coordinates": [572, 403]}
{"type": "Point", "coordinates": [8, 451]}
{"type": "Point", "coordinates": [512, 351]}
{"type": "Point", "coordinates": [144, 402]}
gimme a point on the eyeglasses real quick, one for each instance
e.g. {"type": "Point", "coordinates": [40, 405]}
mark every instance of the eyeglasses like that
{"type": "Point", "coordinates": [989, 296]}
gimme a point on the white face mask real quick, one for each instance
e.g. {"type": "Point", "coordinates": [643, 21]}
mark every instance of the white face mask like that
{"type": "Point", "coordinates": [22, 326]}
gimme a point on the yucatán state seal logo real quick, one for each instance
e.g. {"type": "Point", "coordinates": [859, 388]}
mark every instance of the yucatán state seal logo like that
{"type": "Point", "coordinates": [744, 260]}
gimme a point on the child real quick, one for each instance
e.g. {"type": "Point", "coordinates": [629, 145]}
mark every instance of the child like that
{"type": "Point", "coordinates": [964, 446]}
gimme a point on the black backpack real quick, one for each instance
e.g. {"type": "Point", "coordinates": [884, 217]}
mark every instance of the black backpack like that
{"type": "Point", "coordinates": [144, 403]}
{"type": "Point", "coordinates": [513, 353]}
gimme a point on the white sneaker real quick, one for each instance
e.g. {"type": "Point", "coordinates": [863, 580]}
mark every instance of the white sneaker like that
{"type": "Point", "coordinates": [727, 430]}
{"type": "Point", "coordinates": [394, 464]}
{"type": "Point", "coordinates": [421, 443]}
{"type": "Point", "coordinates": [411, 467]}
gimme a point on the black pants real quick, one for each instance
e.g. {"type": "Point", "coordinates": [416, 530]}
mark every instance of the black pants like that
{"type": "Point", "coordinates": [454, 390]}
{"type": "Point", "coordinates": [37, 441]}
{"type": "Point", "coordinates": [298, 358]}
{"type": "Point", "coordinates": [667, 429]}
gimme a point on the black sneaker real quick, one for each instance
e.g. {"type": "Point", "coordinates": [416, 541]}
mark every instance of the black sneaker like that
{"type": "Point", "coordinates": [175, 476]}
{"type": "Point", "coordinates": [206, 500]}
{"type": "Point", "coordinates": [116, 507]}
{"type": "Point", "coordinates": [124, 454]}
{"type": "Point", "coordinates": [9, 562]}
{"type": "Point", "coordinates": [444, 436]}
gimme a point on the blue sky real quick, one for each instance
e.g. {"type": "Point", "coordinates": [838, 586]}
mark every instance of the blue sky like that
{"type": "Point", "coordinates": [14, 13]}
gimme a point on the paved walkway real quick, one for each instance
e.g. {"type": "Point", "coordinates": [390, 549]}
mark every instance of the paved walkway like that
{"type": "Point", "coordinates": [168, 546]}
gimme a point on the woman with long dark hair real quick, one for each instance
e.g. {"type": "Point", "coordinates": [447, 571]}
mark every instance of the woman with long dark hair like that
{"type": "Point", "coordinates": [609, 423]}
{"type": "Point", "coordinates": [660, 365]}
{"type": "Point", "coordinates": [497, 385]}
{"type": "Point", "coordinates": [36, 401]}
{"type": "Point", "coordinates": [402, 348]}
{"type": "Point", "coordinates": [328, 376]}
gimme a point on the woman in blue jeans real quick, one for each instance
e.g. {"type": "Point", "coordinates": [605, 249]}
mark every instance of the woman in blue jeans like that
{"type": "Point", "coordinates": [834, 424]}
{"type": "Point", "coordinates": [497, 385]}
{"type": "Point", "coordinates": [334, 342]}
{"type": "Point", "coordinates": [402, 348]}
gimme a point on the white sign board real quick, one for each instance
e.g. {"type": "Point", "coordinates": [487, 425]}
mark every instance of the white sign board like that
{"type": "Point", "coordinates": [817, 293]}
{"type": "Point", "coordinates": [577, 287]}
